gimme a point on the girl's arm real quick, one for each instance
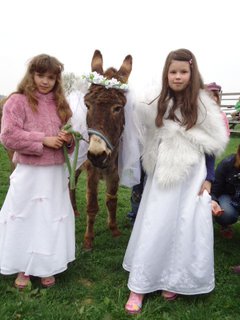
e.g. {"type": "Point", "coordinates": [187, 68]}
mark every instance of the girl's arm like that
{"type": "Point", "coordinates": [210, 163]}
{"type": "Point", "coordinates": [207, 184]}
{"type": "Point", "coordinates": [13, 135]}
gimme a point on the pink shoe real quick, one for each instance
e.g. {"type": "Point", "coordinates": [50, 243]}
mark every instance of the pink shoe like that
{"type": "Point", "coordinates": [169, 296]}
{"type": "Point", "coordinates": [22, 281]}
{"type": "Point", "coordinates": [48, 282]}
{"type": "Point", "coordinates": [226, 232]}
{"type": "Point", "coordinates": [134, 304]}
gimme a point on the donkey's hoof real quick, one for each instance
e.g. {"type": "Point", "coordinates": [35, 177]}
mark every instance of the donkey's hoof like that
{"type": "Point", "coordinates": [116, 233]}
{"type": "Point", "coordinates": [87, 245]}
{"type": "Point", "coordinates": [87, 249]}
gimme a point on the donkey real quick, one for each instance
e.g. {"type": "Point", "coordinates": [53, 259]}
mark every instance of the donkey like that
{"type": "Point", "coordinates": [105, 121]}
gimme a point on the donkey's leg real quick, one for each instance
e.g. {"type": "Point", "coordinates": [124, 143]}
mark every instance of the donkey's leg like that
{"type": "Point", "coordinates": [73, 194]}
{"type": "Point", "coordinates": [112, 181]}
{"type": "Point", "coordinates": [92, 206]}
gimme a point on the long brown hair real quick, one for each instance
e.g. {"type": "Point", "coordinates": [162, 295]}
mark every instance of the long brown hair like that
{"type": "Point", "coordinates": [44, 63]}
{"type": "Point", "coordinates": [189, 108]}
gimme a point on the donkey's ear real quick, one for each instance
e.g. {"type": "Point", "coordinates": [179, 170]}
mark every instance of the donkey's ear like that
{"type": "Point", "coordinates": [97, 62]}
{"type": "Point", "coordinates": [125, 70]}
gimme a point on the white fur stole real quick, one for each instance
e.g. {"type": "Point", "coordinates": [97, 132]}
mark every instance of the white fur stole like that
{"type": "Point", "coordinates": [172, 149]}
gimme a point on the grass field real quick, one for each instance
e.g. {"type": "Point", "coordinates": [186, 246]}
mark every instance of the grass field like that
{"type": "Point", "coordinates": [94, 286]}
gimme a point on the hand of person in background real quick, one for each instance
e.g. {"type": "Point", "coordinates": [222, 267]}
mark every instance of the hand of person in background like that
{"type": "Point", "coordinates": [216, 209]}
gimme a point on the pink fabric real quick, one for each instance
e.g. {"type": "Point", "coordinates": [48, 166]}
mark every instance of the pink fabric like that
{"type": "Point", "coordinates": [226, 122]}
{"type": "Point", "coordinates": [23, 130]}
{"type": "Point", "coordinates": [214, 87]}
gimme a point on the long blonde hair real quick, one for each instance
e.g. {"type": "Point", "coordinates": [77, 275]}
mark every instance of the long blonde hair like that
{"type": "Point", "coordinates": [44, 63]}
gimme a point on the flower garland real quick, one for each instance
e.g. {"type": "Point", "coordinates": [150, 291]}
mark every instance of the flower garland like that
{"type": "Point", "coordinates": [96, 78]}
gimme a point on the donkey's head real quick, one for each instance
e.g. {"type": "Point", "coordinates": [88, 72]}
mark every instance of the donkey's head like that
{"type": "Point", "coordinates": [105, 116]}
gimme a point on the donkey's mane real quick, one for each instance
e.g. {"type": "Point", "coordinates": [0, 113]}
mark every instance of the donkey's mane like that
{"type": "Point", "coordinates": [111, 73]}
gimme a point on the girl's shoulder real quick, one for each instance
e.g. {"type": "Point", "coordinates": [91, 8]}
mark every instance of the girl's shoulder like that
{"type": "Point", "coordinates": [204, 94]}
{"type": "Point", "coordinates": [207, 103]}
{"type": "Point", "coordinates": [15, 101]}
{"type": "Point", "coordinates": [16, 97]}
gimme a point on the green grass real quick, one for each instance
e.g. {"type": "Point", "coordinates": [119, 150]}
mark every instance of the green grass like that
{"type": "Point", "coordinates": [95, 284]}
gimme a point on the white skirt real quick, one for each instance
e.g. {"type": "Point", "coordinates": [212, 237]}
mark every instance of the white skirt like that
{"type": "Point", "coordinates": [37, 227]}
{"type": "Point", "coordinates": [171, 245]}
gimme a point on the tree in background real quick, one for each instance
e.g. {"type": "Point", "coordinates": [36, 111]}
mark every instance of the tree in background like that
{"type": "Point", "coordinates": [71, 82]}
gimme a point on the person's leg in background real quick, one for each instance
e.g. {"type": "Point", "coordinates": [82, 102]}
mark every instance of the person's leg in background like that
{"type": "Point", "coordinates": [229, 216]}
{"type": "Point", "coordinates": [136, 196]}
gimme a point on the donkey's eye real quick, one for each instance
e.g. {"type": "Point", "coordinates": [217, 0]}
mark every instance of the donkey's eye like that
{"type": "Point", "coordinates": [117, 109]}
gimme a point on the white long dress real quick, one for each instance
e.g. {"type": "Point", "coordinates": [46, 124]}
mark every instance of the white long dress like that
{"type": "Point", "coordinates": [37, 231]}
{"type": "Point", "coordinates": [171, 245]}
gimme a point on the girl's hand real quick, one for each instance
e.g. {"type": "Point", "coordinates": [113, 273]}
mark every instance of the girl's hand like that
{"type": "Point", "coordinates": [53, 142]}
{"type": "Point", "coordinates": [216, 209]}
{"type": "Point", "coordinates": [65, 136]}
{"type": "Point", "coordinates": [205, 186]}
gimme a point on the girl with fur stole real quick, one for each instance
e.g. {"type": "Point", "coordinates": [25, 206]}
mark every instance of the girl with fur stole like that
{"type": "Point", "coordinates": [171, 245]}
{"type": "Point", "coordinates": [37, 236]}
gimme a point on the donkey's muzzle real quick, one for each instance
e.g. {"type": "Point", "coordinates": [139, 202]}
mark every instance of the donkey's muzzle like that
{"type": "Point", "coordinates": [100, 160]}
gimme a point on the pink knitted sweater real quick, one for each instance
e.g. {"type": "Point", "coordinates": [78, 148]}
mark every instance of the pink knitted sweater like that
{"type": "Point", "coordinates": [23, 130]}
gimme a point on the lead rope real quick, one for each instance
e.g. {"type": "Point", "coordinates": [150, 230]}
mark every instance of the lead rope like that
{"type": "Point", "coordinates": [72, 168]}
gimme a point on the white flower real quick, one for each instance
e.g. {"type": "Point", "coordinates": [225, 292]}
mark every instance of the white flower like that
{"type": "Point", "coordinates": [114, 81]}
{"type": "Point", "coordinates": [96, 78]}
{"type": "Point", "coordinates": [123, 86]}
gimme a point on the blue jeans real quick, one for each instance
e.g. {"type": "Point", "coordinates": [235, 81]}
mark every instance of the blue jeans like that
{"type": "Point", "coordinates": [230, 215]}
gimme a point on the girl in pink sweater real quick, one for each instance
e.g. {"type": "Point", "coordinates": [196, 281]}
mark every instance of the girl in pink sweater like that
{"type": "Point", "coordinates": [36, 220]}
